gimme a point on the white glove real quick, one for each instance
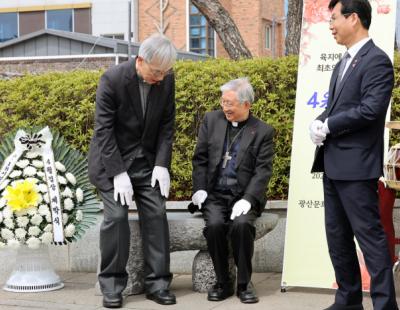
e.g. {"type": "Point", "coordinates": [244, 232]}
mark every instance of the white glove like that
{"type": "Point", "coordinates": [123, 188]}
{"type": "Point", "coordinates": [316, 134]}
{"type": "Point", "coordinates": [240, 207]}
{"type": "Point", "coordinates": [161, 175]}
{"type": "Point", "coordinates": [325, 128]}
{"type": "Point", "coordinates": [199, 197]}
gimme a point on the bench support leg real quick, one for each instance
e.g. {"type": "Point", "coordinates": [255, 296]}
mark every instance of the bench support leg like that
{"type": "Point", "coordinates": [135, 265]}
{"type": "Point", "coordinates": [203, 275]}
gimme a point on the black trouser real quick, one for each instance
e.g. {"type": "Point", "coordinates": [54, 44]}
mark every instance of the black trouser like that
{"type": "Point", "coordinates": [351, 209]}
{"type": "Point", "coordinates": [115, 235]}
{"type": "Point", "coordinates": [219, 229]}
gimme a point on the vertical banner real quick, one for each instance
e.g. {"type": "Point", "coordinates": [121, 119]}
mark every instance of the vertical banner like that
{"type": "Point", "coordinates": [306, 259]}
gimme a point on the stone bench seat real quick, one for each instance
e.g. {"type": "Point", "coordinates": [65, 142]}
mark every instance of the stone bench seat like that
{"type": "Point", "coordinates": [186, 233]}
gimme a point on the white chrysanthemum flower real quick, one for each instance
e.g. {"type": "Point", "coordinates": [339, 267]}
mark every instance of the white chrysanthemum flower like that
{"type": "Point", "coordinates": [20, 233]}
{"type": "Point", "coordinates": [71, 178]}
{"type": "Point", "coordinates": [46, 198]}
{"type": "Point", "coordinates": [67, 192]}
{"type": "Point", "coordinates": [22, 163]}
{"type": "Point", "coordinates": [40, 199]}
{"type": "Point", "coordinates": [41, 174]}
{"type": "Point", "coordinates": [4, 184]}
{"type": "Point", "coordinates": [29, 171]}
{"type": "Point", "coordinates": [31, 154]}
{"type": "Point", "coordinates": [36, 219]}
{"type": "Point", "coordinates": [21, 212]}
{"type": "Point", "coordinates": [31, 211]}
{"type": "Point", "coordinates": [14, 183]}
{"type": "Point", "coordinates": [60, 166]}
{"type": "Point", "coordinates": [1, 216]}
{"type": "Point", "coordinates": [15, 174]}
{"type": "Point", "coordinates": [48, 228]}
{"type": "Point", "coordinates": [34, 231]}
{"type": "Point", "coordinates": [47, 237]}
{"type": "Point", "coordinates": [3, 202]}
{"type": "Point", "coordinates": [7, 212]}
{"type": "Point", "coordinates": [79, 194]}
{"type": "Point", "coordinates": [69, 230]}
{"type": "Point", "coordinates": [7, 234]}
{"type": "Point", "coordinates": [34, 180]}
{"type": "Point", "coordinates": [2, 245]}
{"type": "Point", "coordinates": [48, 218]}
{"type": "Point", "coordinates": [68, 204]}
{"type": "Point", "coordinates": [42, 188]}
{"type": "Point", "coordinates": [37, 164]}
{"type": "Point", "coordinates": [22, 221]}
{"type": "Point", "coordinates": [13, 243]}
{"type": "Point", "coordinates": [61, 180]}
{"type": "Point", "coordinates": [9, 223]}
{"type": "Point", "coordinates": [65, 218]}
{"type": "Point", "coordinates": [44, 210]}
{"type": "Point", "coordinates": [33, 242]}
{"type": "Point", "coordinates": [79, 215]}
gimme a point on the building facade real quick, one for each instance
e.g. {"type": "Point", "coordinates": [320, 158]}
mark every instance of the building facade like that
{"type": "Point", "coordinates": [260, 22]}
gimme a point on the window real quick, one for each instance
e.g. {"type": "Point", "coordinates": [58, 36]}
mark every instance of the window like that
{"type": "Point", "coordinates": [8, 26]}
{"type": "Point", "coordinates": [119, 36]}
{"type": "Point", "coordinates": [201, 35]}
{"type": "Point", "coordinates": [268, 36]}
{"type": "Point", "coordinates": [59, 20]}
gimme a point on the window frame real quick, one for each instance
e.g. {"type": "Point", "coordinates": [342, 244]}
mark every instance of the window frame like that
{"type": "Point", "coordinates": [17, 25]}
{"type": "Point", "coordinates": [268, 36]}
{"type": "Point", "coordinates": [209, 49]}
{"type": "Point", "coordinates": [72, 17]}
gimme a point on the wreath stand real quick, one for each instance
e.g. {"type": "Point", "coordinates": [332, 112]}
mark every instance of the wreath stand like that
{"type": "Point", "coordinates": [33, 272]}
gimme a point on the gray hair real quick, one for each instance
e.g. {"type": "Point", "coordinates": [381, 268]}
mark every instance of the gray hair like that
{"type": "Point", "coordinates": [242, 87]}
{"type": "Point", "coordinates": [158, 49]}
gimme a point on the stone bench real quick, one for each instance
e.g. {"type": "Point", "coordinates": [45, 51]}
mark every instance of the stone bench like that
{"type": "Point", "coordinates": [186, 233]}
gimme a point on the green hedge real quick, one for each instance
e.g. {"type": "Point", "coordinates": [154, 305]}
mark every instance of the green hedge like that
{"type": "Point", "coordinates": [66, 101]}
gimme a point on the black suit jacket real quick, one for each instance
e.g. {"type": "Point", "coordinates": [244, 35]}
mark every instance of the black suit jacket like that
{"type": "Point", "coordinates": [120, 126]}
{"type": "Point", "coordinates": [356, 113]}
{"type": "Point", "coordinates": [254, 159]}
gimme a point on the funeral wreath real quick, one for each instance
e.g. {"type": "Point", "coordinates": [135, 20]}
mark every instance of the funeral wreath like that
{"type": "Point", "coordinates": [45, 194]}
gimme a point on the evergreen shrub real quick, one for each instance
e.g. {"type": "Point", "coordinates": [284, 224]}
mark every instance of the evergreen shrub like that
{"type": "Point", "coordinates": [66, 102]}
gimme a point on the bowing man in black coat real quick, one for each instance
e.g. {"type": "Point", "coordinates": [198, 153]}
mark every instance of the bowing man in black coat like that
{"type": "Point", "coordinates": [130, 154]}
{"type": "Point", "coordinates": [349, 139]}
{"type": "Point", "coordinates": [232, 165]}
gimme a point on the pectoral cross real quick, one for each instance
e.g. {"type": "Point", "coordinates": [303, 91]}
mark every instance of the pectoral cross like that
{"type": "Point", "coordinates": [226, 157]}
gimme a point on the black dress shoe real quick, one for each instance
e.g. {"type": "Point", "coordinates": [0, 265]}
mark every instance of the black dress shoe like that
{"type": "Point", "coordinates": [162, 297]}
{"type": "Point", "coordinates": [112, 300]}
{"type": "Point", "coordinates": [246, 294]}
{"type": "Point", "coordinates": [344, 307]}
{"type": "Point", "coordinates": [220, 291]}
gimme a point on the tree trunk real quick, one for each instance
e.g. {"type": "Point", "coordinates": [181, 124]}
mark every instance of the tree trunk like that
{"type": "Point", "coordinates": [294, 22]}
{"type": "Point", "coordinates": [220, 20]}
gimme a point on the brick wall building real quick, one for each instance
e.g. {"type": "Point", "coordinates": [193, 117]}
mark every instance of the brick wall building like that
{"type": "Point", "coordinates": [260, 22]}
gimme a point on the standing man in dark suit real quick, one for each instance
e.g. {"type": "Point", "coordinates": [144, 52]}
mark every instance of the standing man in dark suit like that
{"type": "Point", "coordinates": [232, 165]}
{"type": "Point", "coordinates": [130, 154]}
{"type": "Point", "coordinates": [349, 139]}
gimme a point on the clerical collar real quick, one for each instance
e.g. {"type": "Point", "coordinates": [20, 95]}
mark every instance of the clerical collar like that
{"type": "Point", "coordinates": [239, 124]}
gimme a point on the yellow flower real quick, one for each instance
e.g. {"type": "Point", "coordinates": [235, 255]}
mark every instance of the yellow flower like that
{"type": "Point", "coordinates": [22, 195]}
